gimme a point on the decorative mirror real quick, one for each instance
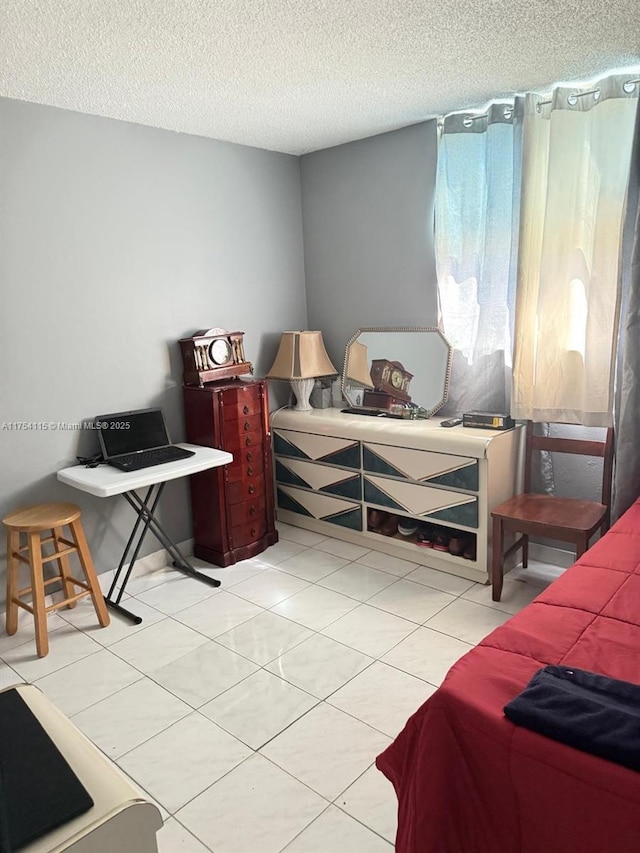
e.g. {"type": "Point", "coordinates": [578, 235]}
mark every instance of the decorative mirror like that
{"type": "Point", "coordinates": [397, 369]}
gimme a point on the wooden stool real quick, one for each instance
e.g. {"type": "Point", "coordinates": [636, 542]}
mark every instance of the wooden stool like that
{"type": "Point", "coordinates": [34, 520]}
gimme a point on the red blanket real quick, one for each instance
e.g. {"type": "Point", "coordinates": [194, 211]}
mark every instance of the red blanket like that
{"type": "Point", "coordinates": [469, 781]}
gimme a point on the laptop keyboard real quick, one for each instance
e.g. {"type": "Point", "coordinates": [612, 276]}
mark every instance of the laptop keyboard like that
{"type": "Point", "coordinates": [147, 458]}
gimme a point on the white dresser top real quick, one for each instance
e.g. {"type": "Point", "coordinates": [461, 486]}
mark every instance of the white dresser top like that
{"type": "Point", "coordinates": [417, 434]}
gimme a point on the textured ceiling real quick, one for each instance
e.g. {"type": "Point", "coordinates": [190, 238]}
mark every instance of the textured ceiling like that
{"type": "Point", "coordinates": [299, 75]}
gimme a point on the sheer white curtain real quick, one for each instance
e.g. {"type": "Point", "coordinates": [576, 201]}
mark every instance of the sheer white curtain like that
{"type": "Point", "coordinates": [626, 487]}
{"type": "Point", "coordinates": [476, 227]}
{"type": "Point", "coordinates": [575, 168]}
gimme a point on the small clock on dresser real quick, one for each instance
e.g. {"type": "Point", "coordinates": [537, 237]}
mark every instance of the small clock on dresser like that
{"type": "Point", "coordinates": [390, 377]}
{"type": "Point", "coordinates": [211, 355]}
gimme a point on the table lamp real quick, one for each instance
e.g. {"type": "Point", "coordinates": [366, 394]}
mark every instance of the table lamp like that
{"type": "Point", "coordinates": [357, 368]}
{"type": "Point", "coordinates": [301, 358]}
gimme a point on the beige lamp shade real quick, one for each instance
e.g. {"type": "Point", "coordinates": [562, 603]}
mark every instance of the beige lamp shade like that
{"type": "Point", "coordinates": [358, 366]}
{"type": "Point", "coordinates": [301, 355]}
{"type": "Point", "coordinates": [301, 358]}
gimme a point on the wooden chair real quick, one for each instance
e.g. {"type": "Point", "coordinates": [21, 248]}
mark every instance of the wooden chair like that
{"type": "Point", "coordinates": [565, 519]}
{"type": "Point", "coordinates": [32, 521]}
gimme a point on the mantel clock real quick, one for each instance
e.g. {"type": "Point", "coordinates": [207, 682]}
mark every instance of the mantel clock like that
{"type": "Point", "coordinates": [211, 355]}
{"type": "Point", "coordinates": [390, 377]}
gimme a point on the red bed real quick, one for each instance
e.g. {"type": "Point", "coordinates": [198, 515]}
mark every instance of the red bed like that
{"type": "Point", "coordinates": [469, 781]}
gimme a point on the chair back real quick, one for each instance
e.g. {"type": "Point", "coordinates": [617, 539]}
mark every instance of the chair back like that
{"type": "Point", "coordinates": [578, 446]}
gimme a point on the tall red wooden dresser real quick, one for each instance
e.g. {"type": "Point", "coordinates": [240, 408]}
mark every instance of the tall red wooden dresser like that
{"type": "Point", "coordinates": [232, 506]}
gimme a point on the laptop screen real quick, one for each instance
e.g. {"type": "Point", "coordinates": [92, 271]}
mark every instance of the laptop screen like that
{"type": "Point", "coordinates": [128, 432]}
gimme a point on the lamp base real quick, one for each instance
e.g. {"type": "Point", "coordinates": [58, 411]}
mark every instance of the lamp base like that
{"type": "Point", "coordinates": [302, 389]}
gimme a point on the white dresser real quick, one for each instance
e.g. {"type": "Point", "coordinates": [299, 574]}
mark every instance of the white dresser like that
{"type": "Point", "coordinates": [333, 469]}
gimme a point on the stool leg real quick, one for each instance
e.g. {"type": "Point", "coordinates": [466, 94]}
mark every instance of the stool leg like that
{"type": "Point", "coordinates": [64, 567]}
{"type": "Point", "coordinates": [13, 544]}
{"type": "Point", "coordinates": [77, 532]}
{"type": "Point", "coordinates": [37, 592]}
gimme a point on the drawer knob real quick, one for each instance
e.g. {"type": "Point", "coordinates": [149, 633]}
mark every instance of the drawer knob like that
{"type": "Point", "coordinates": [251, 489]}
{"type": "Point", "coordinates": [245, 410]}
{"type": "Point", "coordinates": [249, 456]}
{"type": "Point", "coordinates": [247, 441]}
{"type": "Point", "coordinates": [250, 471]}
{"type": "Point", "coordinates": [252, 510]}
{"type": "Point", "coordinates": [247, 426]}
{"type": "Point", "coordinates": [253, 531]}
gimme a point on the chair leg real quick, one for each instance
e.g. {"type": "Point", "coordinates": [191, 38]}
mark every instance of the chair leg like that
{"type": "Point", "coordinates": [37, 593]}
{"type": "Point", "coordinates": [86, 562]}
{"type": "Point", "coordinates": [496, 565]}
{"type": "Point", "coordinates": [13, 544]}
{"type": "Point", "coordinates": [582, 544]}
{"type": "Point", "coordinates": [64, 567]}
{"type": "Point", "coordinates": [525, 551]}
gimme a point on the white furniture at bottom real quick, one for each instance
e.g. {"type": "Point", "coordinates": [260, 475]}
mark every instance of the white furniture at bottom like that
{"type": "Point", "coordinates": [121, 819]}
{"type": "Point", "coordinates": [334, 469]}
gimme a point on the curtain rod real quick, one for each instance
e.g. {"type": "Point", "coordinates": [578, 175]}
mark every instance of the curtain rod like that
{"type": "Point", "coordinates": [468, 120]}
{"type": "Point", "coordinates": [572, 100]}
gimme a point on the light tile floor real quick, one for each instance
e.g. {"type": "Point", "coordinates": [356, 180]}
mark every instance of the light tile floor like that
{"type": "Point", "coordinates": [252, 713]}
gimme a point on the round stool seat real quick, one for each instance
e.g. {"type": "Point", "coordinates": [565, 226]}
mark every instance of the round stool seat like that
{"type": "Point", "coordinates": [41, 517]}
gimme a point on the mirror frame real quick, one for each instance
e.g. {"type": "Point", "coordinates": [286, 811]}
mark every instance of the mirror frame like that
{"type": "Point", "coordinates": [407, 329]}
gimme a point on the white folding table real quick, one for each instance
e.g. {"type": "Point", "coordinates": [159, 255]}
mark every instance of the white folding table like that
{"type": "Point", "coordinates": [105, 481]}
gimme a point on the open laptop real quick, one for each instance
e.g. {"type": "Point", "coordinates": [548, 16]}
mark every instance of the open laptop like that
{"type": "Point", "coordinates": [134, 440]}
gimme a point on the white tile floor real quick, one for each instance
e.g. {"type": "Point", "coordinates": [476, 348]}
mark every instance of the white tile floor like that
{"type": "Point", "coordinates": [252, 714]}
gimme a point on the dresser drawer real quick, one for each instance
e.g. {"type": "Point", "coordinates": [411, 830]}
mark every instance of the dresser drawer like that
{"type": "Point", "coordinates": [241, 444]}
{"type": "Point", "coordinates": [420, 501]}
{"type": "Point", "coordinates": [342, 513]}
{"type": "Point", "coordinates": [241, 426]}
{"type": "Point", "coordinates": [422, 466]}
{"type": "Point", "coordinates": [244, 490]}
{"type": "Point", "coordinates": [252, 454]}
{"type": "Point", "coordinates": [242, 393]}
{"type": "Point", "coordinates": [246, 405]}
{"type": "Point", "coordinates": [344, 452]}
{"type": "Point", "coordinates": [321, 478]}
{"type": "Point", "coordinates": [247, 512]}
{"type": "Point", "coordinates": [242, 470]}
{"type": "Point", "coordinates": [244, 534]}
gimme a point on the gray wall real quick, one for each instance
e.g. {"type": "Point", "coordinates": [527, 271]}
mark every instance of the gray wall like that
{"type": "Point", "coordinates": [116, 241]}
{"type": "Point", "coordinates": [367, 210]}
